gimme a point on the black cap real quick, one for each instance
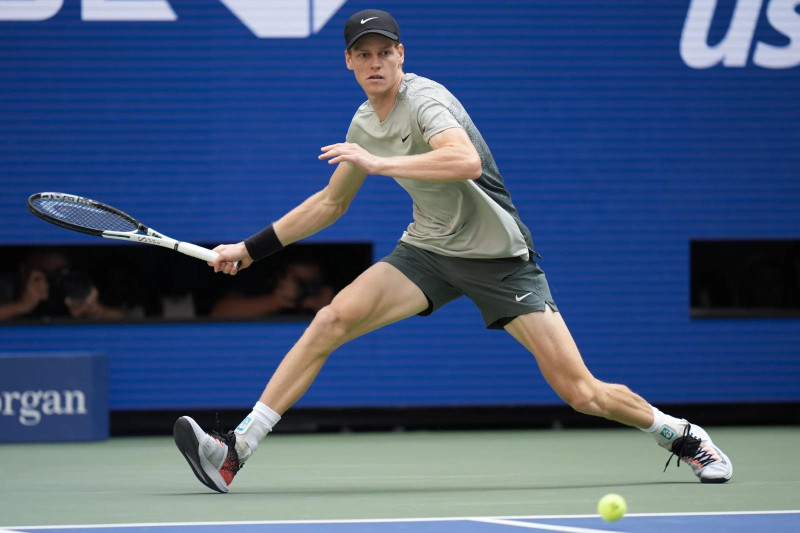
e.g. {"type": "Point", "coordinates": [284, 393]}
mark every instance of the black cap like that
{"type": "Point", "coordinates": [370, 21]}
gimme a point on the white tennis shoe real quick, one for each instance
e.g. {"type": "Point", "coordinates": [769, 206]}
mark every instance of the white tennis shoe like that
{"type": "Point", "coordinates": [708, 462]}
{"type": "Point", "coordinates": [212, 457]}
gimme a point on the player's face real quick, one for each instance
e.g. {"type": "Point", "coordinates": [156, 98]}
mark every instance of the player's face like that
{"type": "Point", "coordinates": [377, 63]}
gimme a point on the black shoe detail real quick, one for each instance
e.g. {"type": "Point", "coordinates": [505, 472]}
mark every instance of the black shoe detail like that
{"type": "Point", "coordinates": [714, 480]}
{"type": "Point", "coordinates": [688, 448]}
{"type": "Point", "coordinates": [231, 466]}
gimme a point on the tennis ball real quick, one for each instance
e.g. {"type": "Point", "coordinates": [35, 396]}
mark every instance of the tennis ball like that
{"type": "Point", "coordinates": [611, 507]}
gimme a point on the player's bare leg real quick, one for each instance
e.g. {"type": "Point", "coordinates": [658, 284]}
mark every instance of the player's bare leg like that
{"type": "Point", "coordinates": [379, 296]}
{"type": "Point", "coordinates": [547, 337]}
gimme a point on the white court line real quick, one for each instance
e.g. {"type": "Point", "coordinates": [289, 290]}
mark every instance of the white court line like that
{"type": "Point", "coordinates": [545, 527]}
{"type": "Point", "coordinates": [391, 520]}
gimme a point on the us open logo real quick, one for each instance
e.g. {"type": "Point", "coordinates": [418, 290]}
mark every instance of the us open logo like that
{"type": "Point", "coordinates": [734, 48]}
{"type": "Point", "coordinates": [265, 18]}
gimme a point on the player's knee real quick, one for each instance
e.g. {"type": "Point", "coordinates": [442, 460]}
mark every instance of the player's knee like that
{"type": "Point", "coordinates": [328, 322]}
{"type": "Point", "coordinates": [332, 323]}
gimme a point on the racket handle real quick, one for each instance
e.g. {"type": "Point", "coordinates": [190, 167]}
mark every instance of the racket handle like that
{"type": "Point", "coordinates": [196, 251]}
{"type": "Point", "coordinates": [200, 253]}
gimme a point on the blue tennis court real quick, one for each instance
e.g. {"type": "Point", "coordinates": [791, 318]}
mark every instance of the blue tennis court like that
{"type": "Point", "coordinates": [734, 522]}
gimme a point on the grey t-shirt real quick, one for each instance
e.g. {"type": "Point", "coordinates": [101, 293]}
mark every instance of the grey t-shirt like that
{"type": "Point", "coordinates": [470, 218]}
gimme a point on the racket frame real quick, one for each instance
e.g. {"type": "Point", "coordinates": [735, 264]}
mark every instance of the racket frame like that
{"type": "Point", "coordinates": [142, 233]}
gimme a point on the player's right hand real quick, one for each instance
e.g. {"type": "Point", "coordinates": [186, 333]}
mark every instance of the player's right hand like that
{"type": "Point", "coordinates": [229, 254]}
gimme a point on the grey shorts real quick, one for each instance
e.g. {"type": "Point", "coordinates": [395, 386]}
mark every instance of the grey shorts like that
{"type": "Point", "coordinates": [502, 289]}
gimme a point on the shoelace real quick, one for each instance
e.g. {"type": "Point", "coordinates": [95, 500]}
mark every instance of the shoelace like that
{"type": "Point", "coordinates": [226, 438]}
{"type": "Point", "coordinates": [218, 435]}
{"type": "Point", "coordinates": [688, 446]}
{"type": "Point", "coordinates": [229, 439]}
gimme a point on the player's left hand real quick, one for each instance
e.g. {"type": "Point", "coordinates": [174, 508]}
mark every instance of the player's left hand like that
{"type": "Point", "coordinates": [339, 152]}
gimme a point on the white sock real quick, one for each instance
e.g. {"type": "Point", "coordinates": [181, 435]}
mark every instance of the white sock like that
{"type": "Point", "coordinates": [253, 429]}
{"type": "Point", "coordinates": [665, 428]}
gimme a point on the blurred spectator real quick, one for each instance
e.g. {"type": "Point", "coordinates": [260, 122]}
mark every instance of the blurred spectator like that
{"type": "Point", "coordinates": [46, 286]}
{"type": "Point", "coordinates": [83, 299]}
{"type": "Point", "coordinates": [312, 292]}
{"type": "Point", "coordinates": [136, 283]}
{"type": "Point", "coordinates": [300, 289]}
{"type": "Point", "coordinates": [33, 288]}
{"type": "Point", "coordinates": [178, 306]}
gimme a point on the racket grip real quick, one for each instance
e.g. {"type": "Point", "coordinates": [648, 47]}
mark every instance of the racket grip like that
{"type": "Point", "coordinates": [199, 252]}
{"type": "Point", "coordinates": [196, 251]}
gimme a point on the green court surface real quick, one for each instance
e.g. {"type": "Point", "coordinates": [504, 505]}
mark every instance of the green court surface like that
{"type": "Point", "coordinates": [393, 475]}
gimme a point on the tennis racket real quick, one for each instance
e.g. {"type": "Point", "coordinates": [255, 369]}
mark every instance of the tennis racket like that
{"type": "Point", "coordinates": [96, 218]}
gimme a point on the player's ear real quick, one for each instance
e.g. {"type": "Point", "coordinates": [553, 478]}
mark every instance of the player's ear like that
{"type": "Point", "coordinates": [401, 52]}
{"type": "Point", "coordinates": [348, 60]}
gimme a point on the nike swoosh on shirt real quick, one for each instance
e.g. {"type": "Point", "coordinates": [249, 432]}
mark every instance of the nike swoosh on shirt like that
{"type": "Point", "coordinates": [403, 139]}
{"type": "Point", "coordinates": [520, 298]}
{"type": "Point", "coordinates": [364, 21]}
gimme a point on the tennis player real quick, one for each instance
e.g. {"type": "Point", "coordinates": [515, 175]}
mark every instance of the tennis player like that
{"type": "Point", "coordinates": [466, 239]}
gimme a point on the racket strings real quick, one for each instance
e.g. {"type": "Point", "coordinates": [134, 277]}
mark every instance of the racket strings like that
{"type": "Point", "coordinates": [84, 215]}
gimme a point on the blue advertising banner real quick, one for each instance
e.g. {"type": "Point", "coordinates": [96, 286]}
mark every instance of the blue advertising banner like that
{"type": "Point", "coordinates": [46, 397]}
{"type": "Point", "coordinates": [624, 131]}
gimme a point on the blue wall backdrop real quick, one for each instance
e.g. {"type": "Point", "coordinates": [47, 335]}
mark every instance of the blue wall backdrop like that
{"type": "Point", "coordinates": [618, 147]}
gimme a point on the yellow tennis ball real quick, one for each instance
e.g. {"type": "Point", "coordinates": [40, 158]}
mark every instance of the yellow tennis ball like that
{"type": "Point", "coordinates": [612, 507]}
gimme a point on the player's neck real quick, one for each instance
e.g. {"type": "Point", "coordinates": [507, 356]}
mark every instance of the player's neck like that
{"type": "Point", "coordinates": [384, 102]}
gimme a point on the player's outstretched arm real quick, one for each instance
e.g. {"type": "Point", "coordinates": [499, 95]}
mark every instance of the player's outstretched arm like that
{"type": "Point", "coordinates": [317, 212]}
{"type": "Point", "coordinates": [322, 209]}
{"type": "Point", "coordinates": [453, 158]}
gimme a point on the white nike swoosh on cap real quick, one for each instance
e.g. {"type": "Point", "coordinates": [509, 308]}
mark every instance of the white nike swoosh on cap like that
{"type": "Point", "coordinates": [364, 21]}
